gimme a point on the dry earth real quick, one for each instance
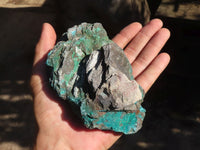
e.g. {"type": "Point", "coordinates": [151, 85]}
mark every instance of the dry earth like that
{"type": "Point", "coordinates": [185, 9]}
{"type": "Point", "coordinates": [21, 3]}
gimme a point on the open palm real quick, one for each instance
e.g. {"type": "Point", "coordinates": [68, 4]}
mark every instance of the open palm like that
{"type": "Point", "coordinates": [58, 127]}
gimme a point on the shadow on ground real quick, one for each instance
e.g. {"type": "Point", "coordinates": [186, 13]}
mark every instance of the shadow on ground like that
{"type": "Point", "coordinates": [17, 123]}
{"type": "Point", "coordinates": [173, 109]}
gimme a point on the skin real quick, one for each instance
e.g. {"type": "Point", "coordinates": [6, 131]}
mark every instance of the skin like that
{"type": "Point", "coordinates": [58, 127]}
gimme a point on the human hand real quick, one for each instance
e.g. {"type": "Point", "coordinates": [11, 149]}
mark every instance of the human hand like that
{"type": "Point", "coordinates": [58, 127]}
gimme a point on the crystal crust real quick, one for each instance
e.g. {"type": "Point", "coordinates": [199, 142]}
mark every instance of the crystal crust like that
{"type": "Point", "coordinates": [91, 72]}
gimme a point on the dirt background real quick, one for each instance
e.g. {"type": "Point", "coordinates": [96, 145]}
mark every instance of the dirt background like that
{"type": "Point", "coordinates": [173, 108]}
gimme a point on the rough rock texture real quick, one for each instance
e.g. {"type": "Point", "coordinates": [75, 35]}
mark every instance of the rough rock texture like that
{"type": "Point", "coordinates": [92, 72]}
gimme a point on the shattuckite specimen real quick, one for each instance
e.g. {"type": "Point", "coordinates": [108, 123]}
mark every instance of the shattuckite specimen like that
{"type": "Point", "coordinates": [92, 72]}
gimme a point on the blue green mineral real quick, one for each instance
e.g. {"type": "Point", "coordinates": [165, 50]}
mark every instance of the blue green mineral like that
{"type": "Point", "coordinates": [92, 73]}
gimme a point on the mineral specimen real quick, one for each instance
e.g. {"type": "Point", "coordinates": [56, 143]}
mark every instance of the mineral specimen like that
{"type": "Point", "coordinates": [94, 75]}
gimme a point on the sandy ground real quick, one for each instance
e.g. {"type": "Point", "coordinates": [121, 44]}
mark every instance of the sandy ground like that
{"type": "Point", "coordinates": [185, 9]}
{"type": "Point", "coordinates": [21, 3]}
{"type": "Point", "coordinates": [173, 108]}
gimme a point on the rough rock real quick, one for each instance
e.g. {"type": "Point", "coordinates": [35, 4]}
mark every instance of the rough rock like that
{"type": "Point", "coordinates": [93, 74]}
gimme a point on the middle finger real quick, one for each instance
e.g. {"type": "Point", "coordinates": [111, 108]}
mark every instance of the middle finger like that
{"type": "Point", "coordinates": [141, 39]}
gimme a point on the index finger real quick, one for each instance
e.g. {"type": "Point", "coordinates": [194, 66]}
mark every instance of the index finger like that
{"type": "Point", "coordinates": [127, 34]}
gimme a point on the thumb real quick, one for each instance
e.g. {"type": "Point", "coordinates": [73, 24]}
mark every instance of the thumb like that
{"type": "Point", "coordinates": [46, 43]}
